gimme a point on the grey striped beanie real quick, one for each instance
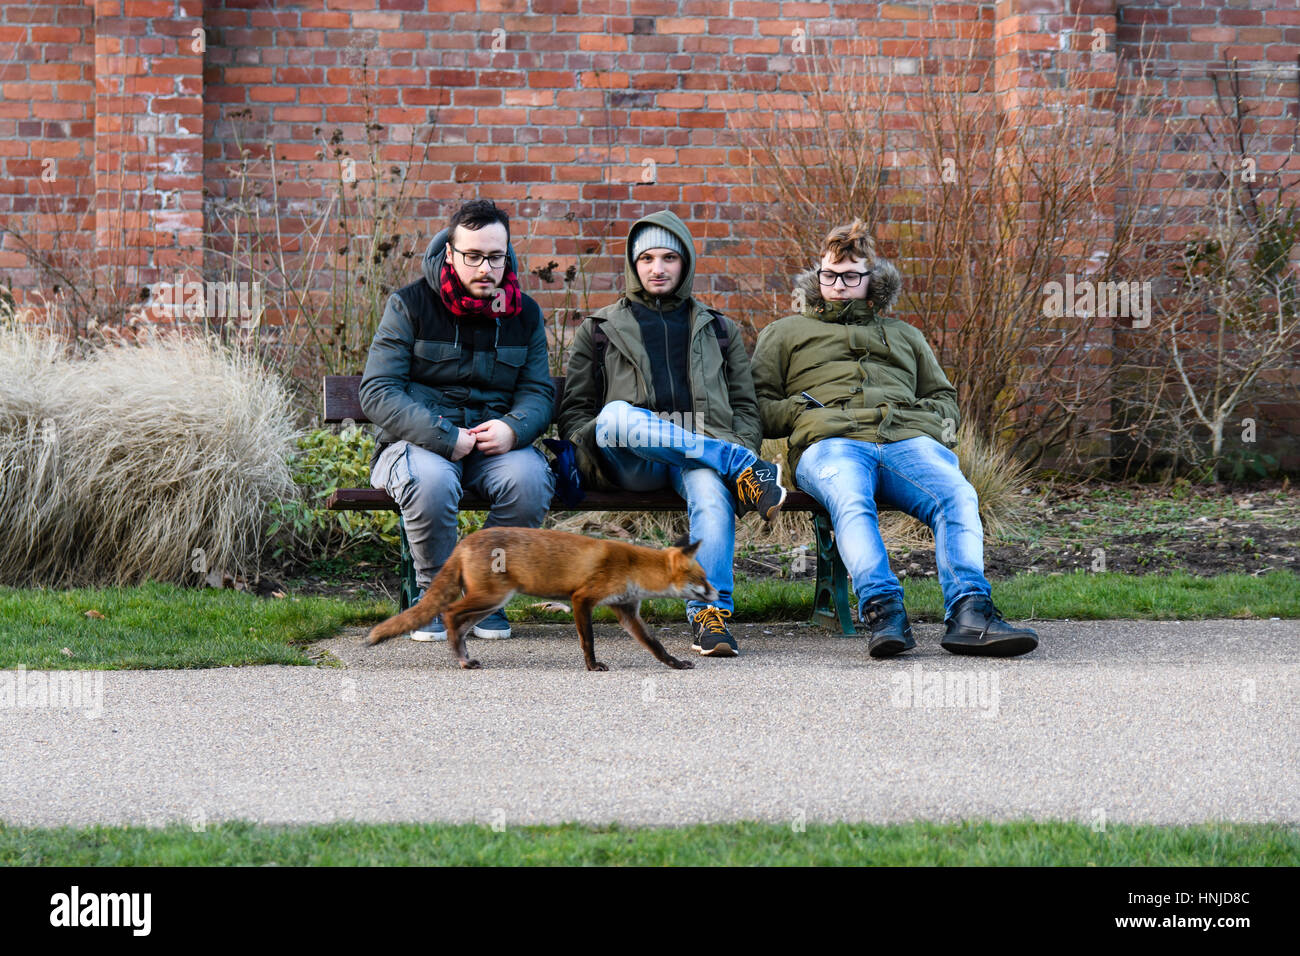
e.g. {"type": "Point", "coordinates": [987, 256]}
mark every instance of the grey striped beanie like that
{"type": "Point", "coordinates": [651, 236]}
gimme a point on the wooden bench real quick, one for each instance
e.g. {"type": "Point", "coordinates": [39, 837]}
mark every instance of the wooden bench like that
{"type": "Point", "coordinates": [831, 598]}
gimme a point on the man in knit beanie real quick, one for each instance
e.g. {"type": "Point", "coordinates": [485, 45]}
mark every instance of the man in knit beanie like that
{"type": "Point", "coordinates": [658, 394]}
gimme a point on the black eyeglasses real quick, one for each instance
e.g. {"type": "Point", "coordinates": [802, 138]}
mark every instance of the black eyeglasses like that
{"type": "Point", "coordinates": [851, 279]}
{"type": "Point", "coordinates": [475, 259]}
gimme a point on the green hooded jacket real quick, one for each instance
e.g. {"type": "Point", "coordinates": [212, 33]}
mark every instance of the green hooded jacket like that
{"type": "Point", "coordinates": [876, 375]}
{"type": "Point", "coordinates": [722, 390]}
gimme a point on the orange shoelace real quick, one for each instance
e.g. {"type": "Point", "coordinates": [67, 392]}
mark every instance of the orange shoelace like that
{"type": "Point", "coordinates": [711, 617]}
{"type": "Point", "coordinates": [748, 487]}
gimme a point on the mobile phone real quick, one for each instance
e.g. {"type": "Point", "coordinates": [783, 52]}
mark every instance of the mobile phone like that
{"type": "Point", "coordinates": [811, 401]}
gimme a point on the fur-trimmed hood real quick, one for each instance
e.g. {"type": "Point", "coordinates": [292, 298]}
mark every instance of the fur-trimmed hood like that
{"type": "Point", "coordinates": [882, 292]}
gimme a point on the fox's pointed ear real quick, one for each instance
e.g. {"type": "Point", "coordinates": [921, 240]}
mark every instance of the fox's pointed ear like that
{"type": "Point", "coordinates": [689, 550]}
{"type": "Point", "coordinates": [682, 541]}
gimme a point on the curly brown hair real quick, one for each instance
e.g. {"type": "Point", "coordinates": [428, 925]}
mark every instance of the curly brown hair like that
{"type": "Point", "coordinates": [849, 242]}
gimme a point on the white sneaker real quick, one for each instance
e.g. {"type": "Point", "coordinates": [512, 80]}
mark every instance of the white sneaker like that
{"type": "Point", "coordinates": [493, 627]}
{"type": "Point", "coordinates": [435, 630]}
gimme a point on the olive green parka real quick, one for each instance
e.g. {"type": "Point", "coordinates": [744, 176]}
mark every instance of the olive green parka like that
{"type": "Point", "coordinates": [876, 375]}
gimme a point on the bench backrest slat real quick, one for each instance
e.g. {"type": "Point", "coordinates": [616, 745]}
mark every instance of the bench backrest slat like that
{"type": "Point", "coordinates": [343, 401]}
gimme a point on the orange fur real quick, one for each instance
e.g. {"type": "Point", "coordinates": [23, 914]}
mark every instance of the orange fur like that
{"type": "Point", "coordinates": [492, 565]}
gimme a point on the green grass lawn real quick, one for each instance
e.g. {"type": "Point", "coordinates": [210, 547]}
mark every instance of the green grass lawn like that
{"type": "Point", "coordinates": [159, 625]}
{"type": "Point", "coordinates": [735, 844]}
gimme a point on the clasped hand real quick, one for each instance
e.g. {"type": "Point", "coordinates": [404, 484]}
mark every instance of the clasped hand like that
{"type": "Point", "coordinates": [492, 437]}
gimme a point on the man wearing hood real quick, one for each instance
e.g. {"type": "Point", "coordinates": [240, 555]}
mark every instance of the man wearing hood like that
{"type": "Point", "coordinates": [881, 425]}
{"type": "Point", "coordinates": [658, 393]}
{"type": "Point", "coordinates": [458, 382]}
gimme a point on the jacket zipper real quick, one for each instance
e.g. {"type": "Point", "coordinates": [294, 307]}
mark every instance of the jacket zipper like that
{"type": "Point", "coordinates": [645, 389]}
{"type": "Point", "coordinates": [672, 386]}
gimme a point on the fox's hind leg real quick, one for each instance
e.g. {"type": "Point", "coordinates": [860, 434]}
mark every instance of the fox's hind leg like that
{"type": "Point", "coordinates": [582, 618]}
{"type": "Point", "coordinates": [629, 615]}
{"type": "Point", "coordinates": [460, 617]}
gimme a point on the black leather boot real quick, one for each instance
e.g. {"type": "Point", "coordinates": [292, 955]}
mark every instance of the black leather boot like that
{"type": "Point", "coordinates": [976, 627]}
{"type": "Point", "coordinates": [891, 631]}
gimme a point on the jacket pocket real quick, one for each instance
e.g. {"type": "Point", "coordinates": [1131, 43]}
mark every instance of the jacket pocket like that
{"type": "Point", "coordinates": [433, 350]}
{"type": "Point", "coordinates": [887, 384]}
{"type": "Point", "coordinates": [436, 375]}
{"type": "Point", "coordinates": [911, 418]}
{"type": "Point", "coordinates": [893, 379]}
{"type": "Point", "coordinates": [435, 363]}
{"type": "Point", "coordinates": [509, 360]}
{"type": "Point", "coordinates": [814, 424]}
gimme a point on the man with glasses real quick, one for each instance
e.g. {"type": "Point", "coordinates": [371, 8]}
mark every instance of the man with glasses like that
{"type": "Point", "coordinates": [459, 383]}
{"type": "Point", "coordinates": [870, 415]}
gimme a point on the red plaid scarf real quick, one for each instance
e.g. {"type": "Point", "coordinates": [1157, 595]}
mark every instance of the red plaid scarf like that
{"type": "Point", "coordinates": [457, 298]}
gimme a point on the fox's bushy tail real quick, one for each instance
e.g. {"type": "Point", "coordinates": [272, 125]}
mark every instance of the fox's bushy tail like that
{"type": "Point", "coordinates": [442, 590]}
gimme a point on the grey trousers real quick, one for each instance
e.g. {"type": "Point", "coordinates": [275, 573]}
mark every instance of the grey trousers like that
{"type": "Point", "coordinates": [427, 487]}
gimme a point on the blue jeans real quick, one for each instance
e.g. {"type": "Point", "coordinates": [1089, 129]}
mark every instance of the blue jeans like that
{"type": "Point", "coordinates": [918, 476]}
{"type": "Point", "coordinates": [427, 487]}
{"type": "Point", "coordinates": [643, 452]}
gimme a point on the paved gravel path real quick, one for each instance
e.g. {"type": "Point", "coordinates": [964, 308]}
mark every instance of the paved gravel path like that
{"type": "Point", "coordinates": [1125, 721]}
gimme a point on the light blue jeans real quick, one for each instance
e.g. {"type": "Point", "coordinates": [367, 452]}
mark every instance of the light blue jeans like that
{"type": "Point", "coordinates": [643, 452]}
{"type": "Point", "coordinates": [918, 476]}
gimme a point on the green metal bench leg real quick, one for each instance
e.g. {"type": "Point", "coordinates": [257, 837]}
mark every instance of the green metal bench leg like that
{"type": "Point", "coordinates": [409, 588]}
{"type": "Point", "coordinates": [831, 600]}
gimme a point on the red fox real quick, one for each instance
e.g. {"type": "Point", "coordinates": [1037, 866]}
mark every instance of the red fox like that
{"type": "Point", "coordinates": [494, 564]}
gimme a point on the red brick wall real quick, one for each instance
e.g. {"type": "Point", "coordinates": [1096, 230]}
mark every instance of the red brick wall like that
{"type": "Point", "coordinates": [1187, 45]}
{"type": "Point", "coordinates": [47, 129]}
{"type": "Point", "coordinates": [554, 114]}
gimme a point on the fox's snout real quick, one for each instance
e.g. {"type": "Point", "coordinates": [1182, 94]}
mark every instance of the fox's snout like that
{"type": "Point", "coordinates": [700, 590]}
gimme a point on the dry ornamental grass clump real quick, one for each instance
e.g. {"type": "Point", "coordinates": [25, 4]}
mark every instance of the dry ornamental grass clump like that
{"type": "Point", "coordinates": [155, 460]}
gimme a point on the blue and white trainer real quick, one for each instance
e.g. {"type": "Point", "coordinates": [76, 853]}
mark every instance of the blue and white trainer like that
{"type": "Point", "coordinates": [435, 630]}
{"type": "Point", "coordinates": [493, 627]}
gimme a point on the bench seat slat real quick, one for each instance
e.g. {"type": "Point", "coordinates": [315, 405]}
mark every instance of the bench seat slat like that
{"type": "Point", "coordinates": [343, 399]}
{"type": "Point", "coordinates": [372, 499]}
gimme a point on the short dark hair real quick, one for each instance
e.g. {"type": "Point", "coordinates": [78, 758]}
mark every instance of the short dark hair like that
{"type": "Point", "coordinates": [478, 213]}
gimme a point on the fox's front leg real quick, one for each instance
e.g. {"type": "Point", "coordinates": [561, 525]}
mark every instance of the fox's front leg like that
{"type": "Point", "coordinates": [582, 619]}
{"type": "Point", "coordinates": [629, 615]}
